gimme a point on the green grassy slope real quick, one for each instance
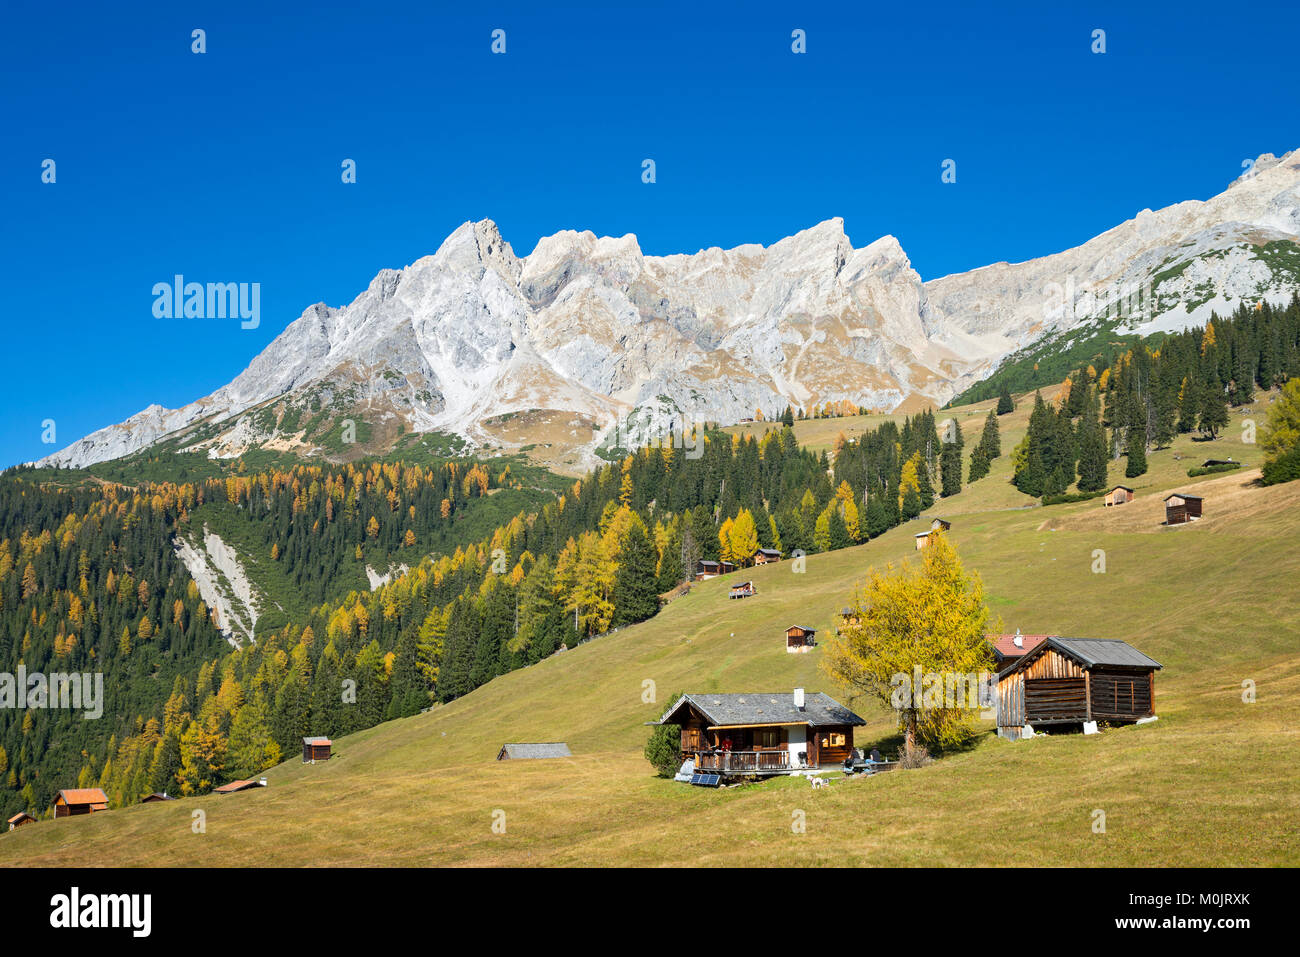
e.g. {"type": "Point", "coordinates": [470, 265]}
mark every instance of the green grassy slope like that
{"type": "Point", "coordinates": [1214, 781]}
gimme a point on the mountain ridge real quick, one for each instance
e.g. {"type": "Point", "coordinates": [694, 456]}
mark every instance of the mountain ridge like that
{"type": "Point", "coordinates": [592, 329]}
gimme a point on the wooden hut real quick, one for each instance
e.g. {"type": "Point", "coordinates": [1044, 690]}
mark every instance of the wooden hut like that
{"type": "Point", "coordinates": [1119, 495]}
{"type": "Point", "coordinates": [1073, 682]}
{"type": "Point", "coordinates": [799, 638]}
{"type": "Point", "coordinates": [19, 819]}
{"type": "Point", "coordinates": [748, 735]}
{"type": "Point", "coordinates": [936, 525]}
{"type": "Point", "coordinates": [547, 749]}
{"type": "Point", "coordinates": [315, 749]}
{"type": "Point", "coordinates": [155, 797]}
{"type": "Point", "coordinates": [74, 801]}
{"type": "Point", "coordinates": [711, 569]}
{"type": "Point", "coordinates": [1181, 508]}
{"type": "Point", "coordinates": [743, 590]}
{"type": "Point", "coordinates": [766, 556]}
{"type": "Point", "coordinates": [234, 786]}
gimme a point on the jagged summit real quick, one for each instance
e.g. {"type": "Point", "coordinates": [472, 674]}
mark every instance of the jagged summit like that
{"type": "Point", "coordinates": [586, 329]}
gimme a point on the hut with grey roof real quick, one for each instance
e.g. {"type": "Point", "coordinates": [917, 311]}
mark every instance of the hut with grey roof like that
{"type": "Point", "coordinates": [547, 749]}
{"type": "Point", "coordinates": [759, 734]}
{"type": "Point", "coordinates": [1073, 682]}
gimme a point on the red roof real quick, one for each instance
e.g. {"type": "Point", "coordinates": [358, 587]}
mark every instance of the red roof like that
{"type": "Point", "coordinates": [83, 796]}
{"type": "Point", "coordinates": [1006, 646]}
{"type": "Point", "coordinates": [236, 786]}
{"type": "Point", "coordinates": [19, 816]}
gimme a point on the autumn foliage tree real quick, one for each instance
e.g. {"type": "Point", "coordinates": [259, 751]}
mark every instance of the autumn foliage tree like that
{"type": "Point", "coordinates": [930, 617]}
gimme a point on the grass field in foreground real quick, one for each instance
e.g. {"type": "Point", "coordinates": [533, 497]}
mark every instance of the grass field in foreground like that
{"type": "Point", "coordinates": [1215, 781]}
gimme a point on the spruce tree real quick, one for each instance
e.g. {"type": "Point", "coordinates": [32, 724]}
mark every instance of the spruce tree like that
{"type": "Point", "coordinates": [1005, 402]}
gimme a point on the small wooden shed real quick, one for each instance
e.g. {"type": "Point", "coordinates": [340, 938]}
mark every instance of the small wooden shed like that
{"type": "Point", "coordinates": [1074, 681]}
{"type": "Point", "coordinates": [155, 797]}
{"type": "Point", "coordinates": [19, 819]}
{"type": "Point", "coordinates": [708, 568]}
{"type": "Point", "coordinates": [1181, 508]}
{"type": "Point", "coordinates": [799, 638]}
{"type": "Point", "coordinates": [766, 556]}
{"type": "Point", "coordinates": [936, 525]}
{"type": "Point", "coordinates": [1119, 495]}
{"type": "Point", "coordinates": [74, 801]}
{"type": "Point", "coordinates": [539, 751]}
{"type": "Point", "coordinates": [315, 749]}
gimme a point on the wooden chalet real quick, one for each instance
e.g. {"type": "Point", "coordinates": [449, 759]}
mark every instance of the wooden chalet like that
{"type": "Point", "coordinates": [1119, 495]}
{"type": "Point", "coordinates": [74, 801]}
{"type": "Point", "coordinates": [1181, 508]}
{"type": "Point", "coordinates": [848, 616]}
{"type": "Point", "coordinates": [546, 749]}
{"type": "Point", "coordinates": [766, 556]}
{"type": "Point", "coordinates": [748, 735]}
{"type": "Point", "coordinates": [234, 786]}
{"type": "Point", "coordinates": [799, 638]}
{"type": "Point", "coordinates": [19, 819]}
{"type": "Point", "coordinates": [923, 538]}
{"type": "Point", "coordinates": [743, 590]}
{"type": "Point", "coordinates": [155, 797]}
{"type": "Point", "coordinates": [711, 569]}
{"type": "Point", "coordinates": [1009, 648]}
{"type": "Point", "coordinates": [1075, 681]}
{"type": "Point", "coordinates": [315, 749]}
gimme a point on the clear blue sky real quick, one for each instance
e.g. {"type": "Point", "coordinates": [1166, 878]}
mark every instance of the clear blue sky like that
{"type": "Point", "coordinates": [226, 166]}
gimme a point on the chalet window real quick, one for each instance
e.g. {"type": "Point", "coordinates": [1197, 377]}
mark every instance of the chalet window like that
{"type": "Point", "coordinates": [767, 737]}
{"type": "Point", "coordinates": [832, 741]}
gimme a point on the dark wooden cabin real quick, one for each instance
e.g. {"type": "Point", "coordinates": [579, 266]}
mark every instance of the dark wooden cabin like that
{"type": "Point", "coordinates": [315, 749]}
{"type": "Point", "coordinates": [743, 735]}
{"type": "Point", "coordinates": [1071, 681]}
{"type": "Point", "coordinates": [1181, 508]}
{"type": "Point", "coordinates": [743, 590]}
{"type": "Point", "coordinates": [707, 568]}
{"type": "Point", "coordinates": [74, 801]}
{"type": "Point", "coordinates": [799, 638]}
{"type": "Point", "coordinates": [155, 797]}
{"type": "Point", "coordinates": [19, 819]}
{"type": "Point", "coordinates": [766, 556]}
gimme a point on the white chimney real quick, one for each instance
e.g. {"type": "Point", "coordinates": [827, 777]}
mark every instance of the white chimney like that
{"type": "Point", "coordinates": [798, 698]}
{"type": "Point", "coordinates": [1018, 641]}
{"type": "Point", "coordinates": [262, 782]}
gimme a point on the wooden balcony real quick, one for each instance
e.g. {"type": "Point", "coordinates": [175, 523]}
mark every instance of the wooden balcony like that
{"type": "Point", "coordinates": [743, 762]}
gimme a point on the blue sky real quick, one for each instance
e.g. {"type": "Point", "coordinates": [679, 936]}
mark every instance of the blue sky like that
{"type": "Point", "coordinates": [225, 166]}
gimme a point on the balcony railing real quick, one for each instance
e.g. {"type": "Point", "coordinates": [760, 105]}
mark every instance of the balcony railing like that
{"type": "Point", "coordinates": [741, 761]}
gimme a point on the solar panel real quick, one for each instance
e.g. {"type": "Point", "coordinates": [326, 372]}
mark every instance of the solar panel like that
{"type": "Point", "coordinates": [706, 780]}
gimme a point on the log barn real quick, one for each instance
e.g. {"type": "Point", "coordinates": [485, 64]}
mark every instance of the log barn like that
{"type": "Point", "coordinates": [19, 819]}
{"type": "Point", "coordinates": [1119, 495]}
{"type": "Point", "coordinates": [799, 638]}
{"type": "Point", "coordinates": [1074, 681]}
{"type": "Point", "coordinates": [155, 797]}
{"type": "Point", "coordinates": [315, 749]}
{"type": "Point", "coordinates": [766, 556]}
{"type": "Point", "coordinates": [74, 801]}
{"type": "Point", "coordinates": [757, 735]}
{"type": "Point", "coordinates": [1181, 508]}
{"type": "Point", "coordinates": [708, 568]}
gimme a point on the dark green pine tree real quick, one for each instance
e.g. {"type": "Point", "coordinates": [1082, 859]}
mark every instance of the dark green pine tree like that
{"type": "Point", "coordinates": [1092, 449]}
{"type": "Point", "coordinates": [979, 463]}
{"type": "Point", "coordinates": [1137, 453]}
{"type": "Point", "coordinates": [1005, 402]}
{"type": "Point", "coordinates": [1214, 410]}
{"type": "Point", "coordinates": [787, 417]}
{"type": "Point", "coordinates": [636, 594]}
